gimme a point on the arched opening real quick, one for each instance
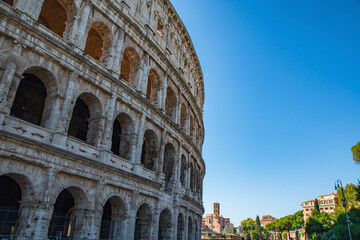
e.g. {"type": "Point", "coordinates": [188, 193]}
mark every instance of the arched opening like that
{"type": "Point", "coordinates": [183, 171]}
{"type": "Point", "coordinates": [160, 27]}
{"type": "Point", "coordinates": [143, 223]}
{"type": "Point", "coordinates": [149, 150]}
{"type": "Point", "coordinates": [113, 218]}
{"type": "Point", "coordinates": [196, 229]}
{"type": "Point", "coordinates": [10, 198]}
{"type": "Point", "coordinates": [29, 100]}
{"type": "Point", "coordinates": [165, 225]}
{"type": "Point", "coordinates": [79, 123]}
{"type": "Point", "coordinates": [170, 104]}
{"type": "Point", "coordinates": [190, 229]}
{"type": "Point", "coordinates": [180, 227]}
{"type": "Point", "coordinates": [192, 129]}
{"type": "Point", "coordinates": [10, 2]}
{"type": "Point", "coordinates": [69, 217]}
{"type": "Point", "coordinates": [85, 120]}
{"type": "Point", "coordinates": [123, 136]}
{"type": "Point", "coordinates": [192, 176]}
{"type": "Point", "coordinates": [129, 65]}
{"type": "Point", "coordinates": [98, 41]}
{"type": "Point", "coordinates": [183, 116]}
{"type": "Point", "coordinates": [168, 167]}
{"type": "Point", "coordinates": [53, 16]}
{"type": "Point", "coordinates": [153, 86]}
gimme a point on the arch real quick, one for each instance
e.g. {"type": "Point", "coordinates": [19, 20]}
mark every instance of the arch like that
{"type": "Point", "coordinates": [170, 104]}
{"type": "Point", "coordinates": [55, 15]}
{"type": "Point", "coordinates": [192, 127]}
{"type": "Point", "coordinates": [190, 229]}
{"type": "Point", "coordinates": [69, 214]}
{"type": "Point", "coordinates": [180, 227]}
{"type": "Point", "coordinates": [123, 136]}
{"type": "Point", "coordinates": [149, 151]}
{"type": "Point", "coordinates": [165, 225]}
{"type": "Point", "coordinates": [10, 197]}
{"type": "Point", "coordinates": [85, 119]}
{"type": "Point", "coordinates": [113, 218]}
{"type": "Point", "coordinates": [192, 185]}
{"type": "Point", "coordinates": [196, 229]}
{"type": "Point", "coordinates": [168, 167]}
{"type": "Point", "coordinates": [183, 171]}
{"type": "Point", "coordinates": [183, 116]}
{"type": "Point", "coordinates": [129, 65]}
{"type": "Point", "coordinates": [98, 41]}
{"type": "Point", "coordinates": [153, 86]}
{"type": "Point", "coordinates": [35, 96]}
{"type": "Point", "coordinates": [143, 223]}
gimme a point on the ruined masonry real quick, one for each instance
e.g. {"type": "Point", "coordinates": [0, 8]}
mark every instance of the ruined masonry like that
{"type": "Point", "coordinates": [101, 127]}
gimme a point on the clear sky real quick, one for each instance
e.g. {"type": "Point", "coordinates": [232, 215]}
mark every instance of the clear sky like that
{"type": "Point", "coordinates": [282, 100]}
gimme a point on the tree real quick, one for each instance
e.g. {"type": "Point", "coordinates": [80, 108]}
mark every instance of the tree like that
{"type": "Point", "coordinates": [341, 229]}
{"type": "Point", "coordinates": [356, 152]}
{"type": "Point", "coordinates": [248, 225]}
{"type": "Point", "coordinates": [318, 223]}
{"type": "Point", "coordinates": [316, 207]}
{"type": "Point", "coordinates": [258, 228]}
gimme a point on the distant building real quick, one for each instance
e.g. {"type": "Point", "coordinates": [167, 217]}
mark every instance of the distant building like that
{"type": "Point", "coordinates": [266, 219]}
{"type": "Point", "coordinates": [327, 203]}
{"type": "Point", "coordinates": [214, 222]}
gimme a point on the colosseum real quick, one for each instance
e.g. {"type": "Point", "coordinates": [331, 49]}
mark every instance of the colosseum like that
{"type": "Point", "coordinates": [101, 126]}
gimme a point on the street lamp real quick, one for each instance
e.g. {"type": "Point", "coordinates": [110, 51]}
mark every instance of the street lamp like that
{"type": "Point", "coordinates": [338, 185]}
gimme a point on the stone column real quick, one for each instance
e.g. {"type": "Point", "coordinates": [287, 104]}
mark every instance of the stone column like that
{"type": "Point", "coordinates": [155, 222]}
{"type": "Point", "coordinates": [115, 54]}
{"type": "Point", "coordinates": [178, 109]}
{"type": "Point", "coordinates": [66, 113]}
{"type": "Point", "coordinates": [93, 217]}
{"type": "Point", "coordinates": [7, 78]}
{"type": "Point", "coordinates": [186, 222]}
{"type": "Point", "coordinates": [142, 74]}
{"type": "Point", "coordinates": [175, 220]}
{"type": "Point", "coordinates": [132, 216]}
{"type": "Point", "coordinates": [77, 32]}
{"type": "Point", "coordinates": [177, 183]}
{"type": "Point", "coordinates": [140, 140]}
{"type": "Point", "coordinates": [163, 93]}
{"type": "Point", "coordinates": [106, 140]}
{"type": "Point", "coordinates": [37, 213]}
{"type": "Point", "coordinates": [161, 175]}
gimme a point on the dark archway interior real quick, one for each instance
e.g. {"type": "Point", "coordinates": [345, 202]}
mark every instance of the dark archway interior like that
{"type": "Point", "coordinates": [115, 146]}
{"type": "Point", "coordinates": [190, 229]}
{"type": "Point", "coordinates": [142, 224]}
{"type": "Point", "coordinates": [79, 123]}
{"type": "Point", "coordinates": [106, 224]}
{"type": "Point", "coordinates": [53, 16]}
{"type": "Point", "coordinates": [29, 99]}
{"type": "Point", "coordinates": [63, 219]}
{"type": "Point", "coordinates": [9, 204]}
{"type": "Point", "coordinates": [149, 150]}
{"type": "Point", "coordinates": [180, 227]}
{"type": "Point", "coordinates": [165, 225]}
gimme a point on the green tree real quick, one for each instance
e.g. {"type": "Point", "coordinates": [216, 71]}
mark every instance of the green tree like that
{"type": "Point", "coordinates": [341, 229]}
{"type": "Point", "coordinates": [316, 207]}
{"type": "Point", "coordinates": [248, 225]}
{"type": "Point", "coordinates": [258, 228]}
{"type": "Point", "coordinates": [318, 223]}
{"type": "Point", "coordinates": [356, 152]}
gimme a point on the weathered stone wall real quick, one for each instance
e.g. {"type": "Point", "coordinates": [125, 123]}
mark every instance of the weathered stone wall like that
{"type": "Point", "coordinates": [119, 58]}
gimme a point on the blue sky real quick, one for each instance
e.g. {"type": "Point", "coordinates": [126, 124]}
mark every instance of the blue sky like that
{"type": "Point", "coordinates": [282, 100]}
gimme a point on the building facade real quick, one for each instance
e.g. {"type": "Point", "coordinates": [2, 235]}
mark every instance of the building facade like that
{"type": "Point", "coordinates": [266, 219]}
{"type": "Point", "coordinates": [327, 203]}
{"type": "Point", "coordinates": [214, 222]}
{"type": "Point", "coordinates": [101, 126]}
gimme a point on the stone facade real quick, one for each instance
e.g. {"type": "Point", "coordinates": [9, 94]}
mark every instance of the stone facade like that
{"type": "Point", "coordinates": [214, 222]}
{"type": "Point", "coordinates": [101, 127]}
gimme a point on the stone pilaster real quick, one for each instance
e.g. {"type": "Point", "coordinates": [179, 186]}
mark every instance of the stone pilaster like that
{"type": "Point", "coordinates": [163, 93]}
{"type": "Point", "coordinates": [66, 113]}
{"type": "Point", "coordinates": [155, 222]}
{"type": "Point", "coordinates": [7, 78]}
{"type": "Point", "coordinates": [142, 74]}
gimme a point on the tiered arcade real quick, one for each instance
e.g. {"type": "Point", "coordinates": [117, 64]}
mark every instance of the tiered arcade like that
{"type": "Point", "coordinates": [101, 127]}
